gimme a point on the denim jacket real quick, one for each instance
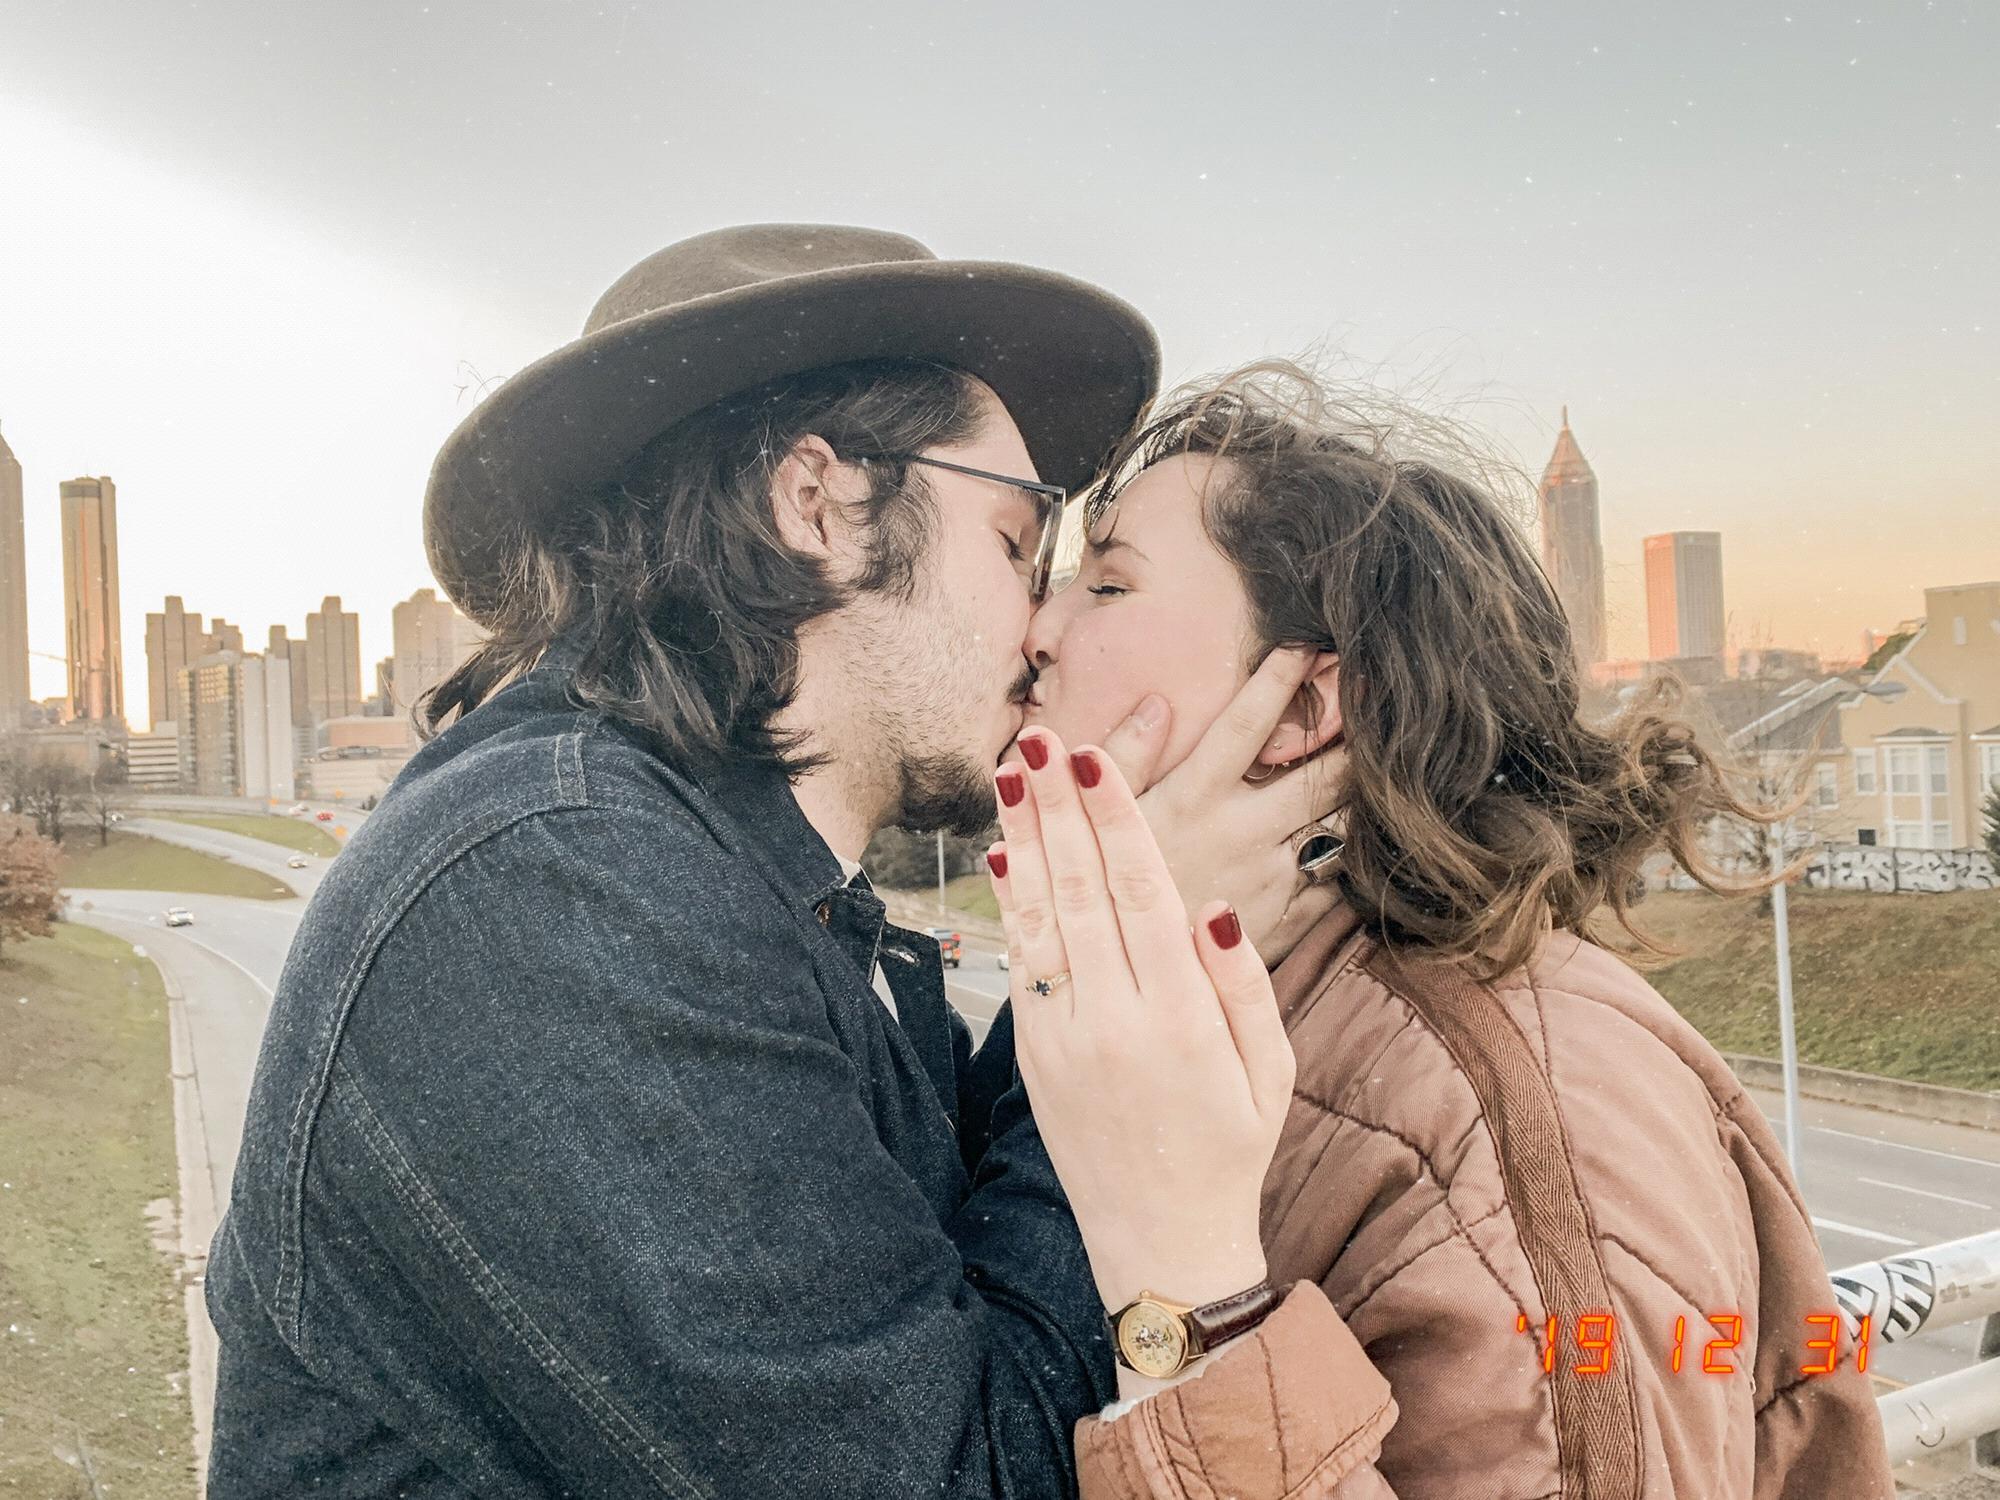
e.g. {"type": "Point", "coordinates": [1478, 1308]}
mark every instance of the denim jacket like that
{"type": "Point", "coordinates": [583, 1160]}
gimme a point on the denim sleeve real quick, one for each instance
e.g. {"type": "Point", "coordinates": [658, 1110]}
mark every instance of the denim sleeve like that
{"type": "Point", "coordinates": [600, 1123]}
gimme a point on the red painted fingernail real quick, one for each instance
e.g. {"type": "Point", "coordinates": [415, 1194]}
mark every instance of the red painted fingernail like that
{"type": "Point", "coordinates": [1012, 787]}
{"type": "Point", "coordinates": [996, 861]}
{"type": "Point", "coordinates": [1035, 751]}
{"type": "Point", "coordinates": [1088, 771]}
{"type": "Point", "coordinates": [1225, 929]}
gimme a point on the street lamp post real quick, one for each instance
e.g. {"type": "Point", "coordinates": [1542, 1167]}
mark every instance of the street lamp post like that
{"type": "Point", "coordinates": [1788, 1039]}
{"type": "Point", "coordinates": [940, 854]}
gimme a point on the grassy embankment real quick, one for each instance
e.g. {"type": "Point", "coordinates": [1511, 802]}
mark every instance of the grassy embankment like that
{"type": "Point", "coordinates": [133, 863]}
{"type": "Point", "coordinates": [1906, 986]}
{"type": "Point", "coordinates": [287, 833]}
{"type": "Point", "coordinates": [93, 1340]}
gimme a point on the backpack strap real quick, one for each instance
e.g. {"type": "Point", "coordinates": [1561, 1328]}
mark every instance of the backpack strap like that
{"type": "Point", "coordinates": [1596, 1417]}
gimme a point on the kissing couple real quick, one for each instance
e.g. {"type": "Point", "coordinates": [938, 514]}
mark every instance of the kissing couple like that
{"type": "Point", "coordinates": [608, 1140]}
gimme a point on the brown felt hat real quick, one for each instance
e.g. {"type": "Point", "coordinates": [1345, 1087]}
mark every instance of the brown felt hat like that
{"type": "Point", "coordinates": [728, 310]}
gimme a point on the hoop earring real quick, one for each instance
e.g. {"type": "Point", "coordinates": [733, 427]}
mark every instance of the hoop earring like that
{"type": "Point", "coordinates": [1269, 772]}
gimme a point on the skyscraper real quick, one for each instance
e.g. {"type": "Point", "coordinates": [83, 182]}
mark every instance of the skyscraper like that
{"type": "Point", "coordinates": [90, 598]}
{"type": "Point", "coordinates": [333, 661]}
{"type": "Point", "coordinates": [432, 639]}
{"type": "Point", "coordinates": [14, 691]}
{"type": "Point", "coordinates": [282, 645]}
{"type": "Point", "coordinates": [175, 641]}
{"type": "Point", "coordinates": [1572, 547]}
{"type": "Point", "coordinates": [1684, 616]}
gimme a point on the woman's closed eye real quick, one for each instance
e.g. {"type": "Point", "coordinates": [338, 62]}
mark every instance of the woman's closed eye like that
{"type": "Point", "coordinates": [1105, 590]}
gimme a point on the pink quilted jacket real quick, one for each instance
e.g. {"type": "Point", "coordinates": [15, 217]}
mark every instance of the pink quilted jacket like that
{"type": "Point", "coordinates": [1544, 1247]}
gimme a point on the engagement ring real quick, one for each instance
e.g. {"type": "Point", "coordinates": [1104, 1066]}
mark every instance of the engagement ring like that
{"type": "Point", "coordinates": [1047, 986]}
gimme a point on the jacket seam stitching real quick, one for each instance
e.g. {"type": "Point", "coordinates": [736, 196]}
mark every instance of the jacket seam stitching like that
{"type": "Point", "coordinates": [1460, 1229]}
{"type": "Point", "coordinates": [1347, 1444]}
{"type": "Point", "coordinates": [1657, 1274]}
{"type": "Point", "coordinates": [449, 1236]}
{"type": "Point", "coordinates": [288, 1290]}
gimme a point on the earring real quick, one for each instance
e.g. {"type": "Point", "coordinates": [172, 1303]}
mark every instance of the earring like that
{"type": "Point", "coordinates": [1269, 772]}
{"type": "Point", "coordinates": [1316, 848]}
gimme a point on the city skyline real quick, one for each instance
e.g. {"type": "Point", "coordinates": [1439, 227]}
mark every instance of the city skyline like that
{"type": "Point", "coordinates": [1746, 248]}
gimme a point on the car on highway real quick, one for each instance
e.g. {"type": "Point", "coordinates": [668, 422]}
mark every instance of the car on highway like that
{"type": "Point", "coordinates": [323, 817]}
{"type": "Point", "coordinates": [1002, 959]}
{"type": "Point", "coordinates": [297, 862]}
{"type": "Point", "coordinates": [949, 944]}
{"type": "Point", "coordinates": [296, 808]}
{"type": "Point", "coordinates": [179, 916]}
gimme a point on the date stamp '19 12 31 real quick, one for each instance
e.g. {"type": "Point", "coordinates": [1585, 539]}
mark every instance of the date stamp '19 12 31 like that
{"type": "Point", "coordinates": [1596, 1337]}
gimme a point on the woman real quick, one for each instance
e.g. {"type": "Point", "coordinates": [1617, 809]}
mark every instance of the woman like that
{"type": "Point", "coordinates": [1540, 1205]}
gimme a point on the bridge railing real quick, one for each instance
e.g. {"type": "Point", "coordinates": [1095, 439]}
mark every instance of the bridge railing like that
{"type": "Point", "coordinates": [1919, 1292]}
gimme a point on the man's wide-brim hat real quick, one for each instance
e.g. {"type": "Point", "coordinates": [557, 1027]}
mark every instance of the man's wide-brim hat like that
{"type": "Point", "coordinates": [726, 311]}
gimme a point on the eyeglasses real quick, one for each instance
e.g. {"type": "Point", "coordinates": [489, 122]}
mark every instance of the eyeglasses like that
{"type": "Point", "coordinates": [1041, 550]}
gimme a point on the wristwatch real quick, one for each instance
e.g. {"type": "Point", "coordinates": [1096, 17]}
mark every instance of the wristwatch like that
{"type": "Point", "coordinates": [1160, 1338]}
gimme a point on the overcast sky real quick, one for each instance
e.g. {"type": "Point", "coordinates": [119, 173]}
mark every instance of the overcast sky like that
{"type": "Point", "coordinates": [252, 257]}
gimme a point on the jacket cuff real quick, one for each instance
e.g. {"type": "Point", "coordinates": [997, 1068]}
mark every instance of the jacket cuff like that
{"type": "Point", "coordinates": [1287, 1410]}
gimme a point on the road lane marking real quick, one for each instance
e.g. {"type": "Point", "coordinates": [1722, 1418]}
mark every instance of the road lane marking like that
{"type": "Point", "coordinates": [1926, 1193]}
{"type": "Point", "coordinates": [1876, 1140]}
{"type": "Point", "coordinates": [1867, 1234]}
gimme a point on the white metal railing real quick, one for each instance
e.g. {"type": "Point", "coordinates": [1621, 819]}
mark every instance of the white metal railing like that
{"type": "Point", "coordinates": [1905, 1295]}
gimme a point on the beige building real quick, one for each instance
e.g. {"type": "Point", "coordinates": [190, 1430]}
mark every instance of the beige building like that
{"type": "Point", "coordinates": [432, 640]}
{"type": "Point", "coordinates": [1572, 544]}
{"type": "Point", "coordinates": [333, 661]}
{"type": "Point", "coordinates": [1684, 616]}
{"type": "Point", "coordinates": [175, 641]}
{"type": "Point", "coordinates": [1913, 772]}
{"type": "Point", "coordinates": [90, 598]}
{"type": "Point", "coordinates": [153, 761]}
{"type": "Point", "coordinates": [236, 738]}
{"type": "Point", "coordinates": [14, 689]}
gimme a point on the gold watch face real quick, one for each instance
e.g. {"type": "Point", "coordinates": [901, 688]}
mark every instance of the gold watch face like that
{"type": "Point", "coordinates": [1152, 1339]}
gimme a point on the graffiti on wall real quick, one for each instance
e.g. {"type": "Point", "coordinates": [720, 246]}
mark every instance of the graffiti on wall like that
{"type": "Point", "coordinates": [1876, 867]}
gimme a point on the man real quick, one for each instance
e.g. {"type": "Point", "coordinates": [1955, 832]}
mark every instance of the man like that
{"type": "Point", "coordinates": [605, 1139]}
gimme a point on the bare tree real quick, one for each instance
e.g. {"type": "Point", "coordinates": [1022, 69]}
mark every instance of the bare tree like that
{"type": "Point", "coordinates": [105, 798]}
{"type": "Point", "coordinates": [56, 788]}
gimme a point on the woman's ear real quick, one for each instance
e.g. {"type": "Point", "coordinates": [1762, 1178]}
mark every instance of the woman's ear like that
{"type": "Point", "coordinates": [1313, 719]}
{"type": "Point", "coordinates": [801, 502]}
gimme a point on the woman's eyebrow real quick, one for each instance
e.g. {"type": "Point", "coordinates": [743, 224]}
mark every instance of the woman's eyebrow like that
{"type": "Point", "coordinates": [1101, 547]}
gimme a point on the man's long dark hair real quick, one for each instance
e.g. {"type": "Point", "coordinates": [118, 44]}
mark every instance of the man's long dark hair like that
{"type": "Point", "coordinates": [688, 600]}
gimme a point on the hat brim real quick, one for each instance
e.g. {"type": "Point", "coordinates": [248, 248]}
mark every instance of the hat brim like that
{"type": "Point", "coordinates": [1073, 365]}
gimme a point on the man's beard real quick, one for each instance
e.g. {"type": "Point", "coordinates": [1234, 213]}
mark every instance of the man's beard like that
{"type": "Point", "coordinates": [946, 792]}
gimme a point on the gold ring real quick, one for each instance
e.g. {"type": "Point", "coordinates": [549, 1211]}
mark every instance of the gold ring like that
{"type": "Point", "coordinates": [1048, 986]}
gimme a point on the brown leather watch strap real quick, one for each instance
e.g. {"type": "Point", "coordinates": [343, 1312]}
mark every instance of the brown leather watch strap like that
{"type": "Point", "coordinates": [1218, 1322]}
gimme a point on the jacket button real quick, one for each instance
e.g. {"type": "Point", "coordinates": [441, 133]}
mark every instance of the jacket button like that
{"type": "Point", "coordinates": [824, 911]}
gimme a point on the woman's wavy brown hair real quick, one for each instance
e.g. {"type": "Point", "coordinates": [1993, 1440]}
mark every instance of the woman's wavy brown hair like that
{"type": "Point", "coordinates": [1480, 808]}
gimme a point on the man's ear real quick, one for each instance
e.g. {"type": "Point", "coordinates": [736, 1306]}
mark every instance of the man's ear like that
{"type": "Point", "coordinates": [802, 502]}
{"type": "Point", "coordinates": [1313, 719]}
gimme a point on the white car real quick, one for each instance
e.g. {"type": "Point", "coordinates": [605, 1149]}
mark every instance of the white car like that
{"type": "Point", "coordinates": [297, 862]}
{"type": "Point", "coordinates": [179, 916]}
{"type": "Point", "coordinates": [295, 809]}
{"type": "Point", "coordinates": [1002, 959]}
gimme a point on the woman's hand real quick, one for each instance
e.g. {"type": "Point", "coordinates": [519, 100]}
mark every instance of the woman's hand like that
{"type": "Point", "coordinates": [1159, 1070]}
{"type": "Point", "coordinates": [1223, 837]}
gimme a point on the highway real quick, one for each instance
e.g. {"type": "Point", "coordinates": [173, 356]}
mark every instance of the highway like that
{"type": "Point", "coordinates": [1875, 1183]}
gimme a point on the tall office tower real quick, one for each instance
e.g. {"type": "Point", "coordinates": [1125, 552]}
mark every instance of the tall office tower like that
{"type": "Point", "coordinates": [281, 644]}
{"type": "Point", "coordinates": [333, 661]}
{"type": "Point", "coordinates": [432, 640]}
{"type": "Point", "coordinates": [14, 690]}
{"type": "Point", "coordinates": [1684, 615]}
{"type": "Point", "coordinates": [223, 636]}
{"type": "Point", "coordinates": [175, 641]}
{"type": "Point", "coordinates": [1572, 547]}
{"type": "Point", "coordinates": [90, 598]}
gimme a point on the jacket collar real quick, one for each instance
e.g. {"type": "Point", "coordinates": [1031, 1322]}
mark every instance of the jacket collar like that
{"type": "Point", "coordinates": [1328, 946]}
